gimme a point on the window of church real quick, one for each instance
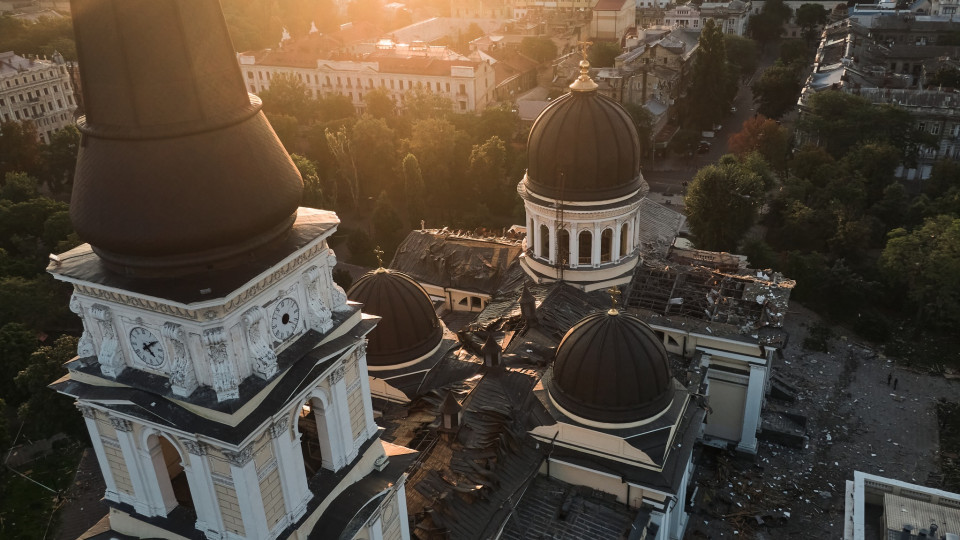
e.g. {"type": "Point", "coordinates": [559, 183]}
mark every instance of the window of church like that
{"type": "Point", "coordinates": [585, 247]}
{"type": "Point", "coordinates": [606, 246]}
{"type": "Point", "coordinates": [563, 247]}
{"type": "Point", "coordinates": [544, 242]}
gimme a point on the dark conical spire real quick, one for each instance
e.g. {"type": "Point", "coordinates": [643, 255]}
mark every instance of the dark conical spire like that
{"type": "Point", "coordinates": [178, 169]}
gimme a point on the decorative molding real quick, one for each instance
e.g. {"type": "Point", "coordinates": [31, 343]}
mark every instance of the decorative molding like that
{"type": "Point", "coordinates": [338, 298]}
{"type": "Point", "coordinates": [87, 411]}
{"type": "Point", "coordinates": [278, 428]}
{"type": "Point", "coordinates": [121, 424]}
{"type": "Point", "coordinates": [85, 347]}
{"type": "Point", "coordinates": [140, 303]}
{"type": "Point", "coordinates": [195, 448]}
{"type": "Point", "coordinates": [321, 318]}
{"type": "Point", "coordinates": [270, 279]}
{"type": "Point", "coordinates": [336, 375]}
{"type": "Point", "coordinates": [225, 381]}
{"type": "Point", "coordinates": [267, 468]}
{"type": "Point", "coordinates": [183, 376]}
{"type": "Point", "coordinates": [221, 480]}
{"type": "Point", "coordinates": [240, 458]}
{"type": "Point", "coordinates": [111, 442]}
{"type": "Point", "coordinates": [209, 314]}
{"type": "Point", "coordinates": [111, 358]}
{"type": "Point", "coordinates": [362, 349]}
{"type": "Point", "coordinates": [264, 359]}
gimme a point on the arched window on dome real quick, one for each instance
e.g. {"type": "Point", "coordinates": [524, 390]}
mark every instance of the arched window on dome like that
{"type": "Point", "coordinates": [585, 247]}
{"type": "Point", "coordinates": [624, 240]}
{"type": "Point", "coordinates": [563, 247]}
{"type": "Point", "coordinates": [544, 242]}
{"type": "Point", "coordinates": [606, 246]}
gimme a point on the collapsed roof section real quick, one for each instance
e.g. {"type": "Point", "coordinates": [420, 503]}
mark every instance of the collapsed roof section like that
{"type": "Point", "coordinates": [710, 286]}
{"type": "Point", "coordinates": [463, 260]}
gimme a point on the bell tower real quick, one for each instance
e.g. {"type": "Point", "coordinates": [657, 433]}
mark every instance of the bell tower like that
{"type": "Point", "coordinates": [222, 374]}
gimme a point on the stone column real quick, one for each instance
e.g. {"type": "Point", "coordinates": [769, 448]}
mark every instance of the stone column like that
{"type": "Point", "coordinates": [751, 411]}
{"type": "Point", "coordinates": [149, 500]}
{"type": "Point", "coordinates": [90, 419]}
{"type": "Point", "coordinates": [617, 240]}
{"type": "Point", "coordinates": [243, 469]}
{"type": "Point", "coordinates": [376, 525]}
{"type": "Point", "coordinates": [199, 476]}
{"type": "Point", "coordinates": [293, 480]}
{"type": "Point", "coordinates": [402, 507]}
{"type": "Point", "coordinates": [552, 255]}
{"type": "Point", "coordinates": [167, 499]}
{"type": "Point", "coordinates": [341, 415]}
{"type": "Point", "coordinates": [365, 389]}
{"type": "Point", "coordinates": [536, 240]}
{"type": "Point", "coordinates": [595, 246]}
{"type": "Point", "coordinates": [574, 245]}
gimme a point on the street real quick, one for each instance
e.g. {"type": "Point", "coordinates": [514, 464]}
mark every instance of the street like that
{"type": "Point", "coordinates": [666, 175]}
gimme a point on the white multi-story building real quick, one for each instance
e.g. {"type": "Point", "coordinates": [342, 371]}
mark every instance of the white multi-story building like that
{"type": "Point", "coordinates": [730, 16]}
{"type": "Point", "coordinates": [395, 68]}
{"type": "Point", "coordinates": [36, 90]}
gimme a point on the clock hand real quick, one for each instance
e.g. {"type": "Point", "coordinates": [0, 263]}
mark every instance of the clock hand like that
{"type": "Point", "coordinates": [149, 347]}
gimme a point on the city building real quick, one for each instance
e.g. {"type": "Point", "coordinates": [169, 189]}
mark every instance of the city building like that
{"type": "Point", "coordinates": [222, 375]}
{"type": "Point", "coordinates": [396, 68]}
{"type": "Point", "coordinates": [879, 508]}
{"type": "Point", "coordinates": [612, 19]}
{"type": "Point", "coordinates": [38, 91]}
{"type": "Point", "coordinates": [730, 16]}
{"type": "Point", "coordinates": [890, 62]}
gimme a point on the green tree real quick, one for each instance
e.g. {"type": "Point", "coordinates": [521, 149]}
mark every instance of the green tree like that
{"type": "Point", "coordinates": [376, 139]}
{"type": "Point", "coordinates": [60, 159]}
{"type": "Point", "coordinates": [946, 77]}
{"type": "Point", "coordinates": [19, 148]}
{"type": "Point", "coordinates": [603, 54]}
{"type": "Point", "coordinates": [388, 229]}
{"type": "Point", "coordinates": [767, 25]}
{"type": "Point", "coordinates": [342, 150]}
{"type": "Point", "coordinates": [643, 121]}
{"type": "Point", "coordinates": [313, 193]}
{"type": "Point", "coordinates": [809, 17]}
{"type": "Point", "coordinates": [731, 187]}
{"type": "Point", "coordinates": [541, 49]}
{"type": "Point", "coordinates": [777, 90]}
{"type": "Point", "coordinates": [17, 343]}
{"type": "Point", "coordinates": [742, 53]}
{"type": "Point", "coordinates": [287, 128]}
{"type": "Point", "coordinates": [45, 413]}
{"type": "Point", "coordinates": [713, 84]}
{"type": "Point", "coordinates": [488, 167]}
{"type": "Point", "coordinates": [926, 262]}
{"type": "Point", "coordinates": [380, 105]}
{"type": "Point", "coordinates": [288, 95]}
{"type": "Point", "coordinates": [795, 52]}
{"type": "Point", "coordinates": [18, 187]}
{"type": "Point", "coordinates": [413, 188]}
{"type": "Point", "coordinates": [335, 107]}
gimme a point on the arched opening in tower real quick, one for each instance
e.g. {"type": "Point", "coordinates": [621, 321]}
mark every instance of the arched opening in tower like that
{"type": "Point", "coordinates": [563, 247]}
{"type": "Point", "coordinates": [170, 472]}
{"type": "Point", "coordinates": [585, 248]}
{"type": "Point", "coordinates": [606, 246]}
{"type": "Point", "coordinates": [314, 437]}
{"type": "Point", "coordinates": [544, 242]}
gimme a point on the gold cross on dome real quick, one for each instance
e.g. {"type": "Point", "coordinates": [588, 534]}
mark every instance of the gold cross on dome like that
{"type": "Point", "coordinates": [379, 253]}
{"type": "Point", "coordinates": [584, 46]}
{"type": "Point", "coordinates": [614, 293]}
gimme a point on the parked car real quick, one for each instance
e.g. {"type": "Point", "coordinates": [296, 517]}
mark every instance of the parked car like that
{"type": "Point", "coordinates": [703, 148]}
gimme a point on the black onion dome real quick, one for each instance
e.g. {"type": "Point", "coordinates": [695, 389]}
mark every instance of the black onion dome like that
{"type": "Point", "coordinates": [583, 147]}
{"type": "Point", "coordinates": [409, 327]}
{"type": "Point", "coordinates": [611, 368]}
{"type": "Point", "coordinates": [178, 169]}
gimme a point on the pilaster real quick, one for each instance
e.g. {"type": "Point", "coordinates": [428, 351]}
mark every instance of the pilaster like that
{"type": "Point", "coordinates": [149, 501]}
{"type": "Point", "coordinates": [751, 411]}
{"type": "Point", "coordinates": [90, 419]}
{"type": "Point", "coordinates": [338, 407]}
{"type": "Point", "coordinates": [243, 469]}
{"type": "Point", "coordinates": [293, 481]}
{"type": "Point", "coordinates": [199, 476]}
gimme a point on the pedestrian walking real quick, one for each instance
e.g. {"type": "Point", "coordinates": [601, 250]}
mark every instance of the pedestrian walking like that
{"type": "Point", "coordinates": [895, 381]}
{"type": "Point", "coordinates": [889, 378]}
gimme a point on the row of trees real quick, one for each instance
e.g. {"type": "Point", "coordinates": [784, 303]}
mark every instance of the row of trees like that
{"type": "Point", "coordinates": [421, 162]}
{"type": "Point", "coordinates": [864, 250]}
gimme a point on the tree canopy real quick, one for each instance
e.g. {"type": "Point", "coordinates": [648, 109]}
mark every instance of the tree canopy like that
{"type": "Point", "coordinates": [713, 83]}
{"type": "Point", "coordinates": [777, 90]}
{"type": "Point", "coordinates": [722, 203]}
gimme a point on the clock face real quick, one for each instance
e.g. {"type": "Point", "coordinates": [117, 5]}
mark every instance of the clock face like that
{"type": "Point", "coordinates": [285, 318]}
{"type": "Point", "coordinates": [146, 346]}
